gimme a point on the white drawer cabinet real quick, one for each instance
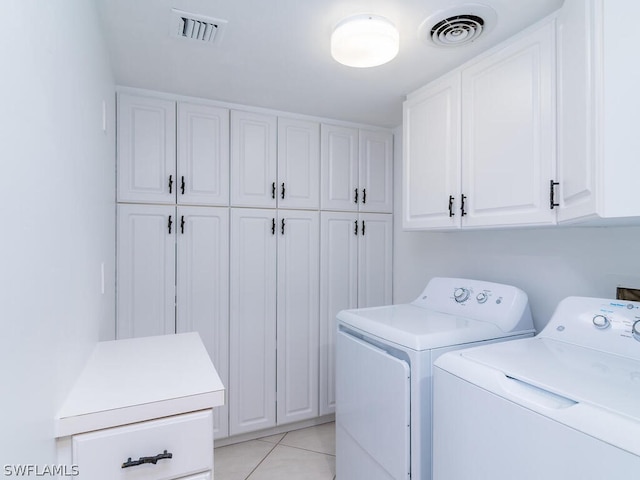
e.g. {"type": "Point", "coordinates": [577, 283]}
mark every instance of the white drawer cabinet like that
{"type": "Point", "coordinates": [180, 445]}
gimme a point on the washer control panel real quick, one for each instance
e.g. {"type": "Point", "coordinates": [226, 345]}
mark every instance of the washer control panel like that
{"type": "Point", "coordinates": [603, 324]}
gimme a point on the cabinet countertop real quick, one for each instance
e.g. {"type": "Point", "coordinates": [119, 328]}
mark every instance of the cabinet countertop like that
{"type": "Point", "coordinates": [133, 380]}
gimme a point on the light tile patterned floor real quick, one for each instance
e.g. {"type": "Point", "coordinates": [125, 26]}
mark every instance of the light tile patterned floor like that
{"type": "Point", "coordinates": [307, 454]}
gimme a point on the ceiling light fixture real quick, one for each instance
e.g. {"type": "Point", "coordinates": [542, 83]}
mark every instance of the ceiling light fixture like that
{"type": "Point", "coordinates": [364, 41]}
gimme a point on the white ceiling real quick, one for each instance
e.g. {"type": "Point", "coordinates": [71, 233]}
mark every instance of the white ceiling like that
{"type": "Point", "coordinates": [275, 53]}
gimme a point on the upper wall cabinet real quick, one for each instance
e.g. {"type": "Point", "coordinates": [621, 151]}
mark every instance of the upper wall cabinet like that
{"type": "Point", "coordinates": [357, 169]}
{"type": "Point", "coordinates": [274, 161]}
{"type": "Point", "coordinates": [598, 105]}
{"type": "Point", "coordinates": [479, 144]}
{"type": "Point", "coordinates": [154, 168]}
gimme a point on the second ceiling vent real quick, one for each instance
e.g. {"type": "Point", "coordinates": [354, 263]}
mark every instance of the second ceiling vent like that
{"type": "Point", "coordinates": [191, 26]}
{"type": "Point", "coordinates": [458, 25]}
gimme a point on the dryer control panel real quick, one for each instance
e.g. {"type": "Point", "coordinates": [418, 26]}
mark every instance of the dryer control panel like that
{"type": "Point", "coordinates": [603, 324]}
{"type": "Point", "coordinates": [505, 306]}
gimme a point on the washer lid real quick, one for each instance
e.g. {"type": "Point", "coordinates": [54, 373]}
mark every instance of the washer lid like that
{"type": "Point", "coordinates": [579, 374]}
{"type": "Point", "coordinates": [418, 328]}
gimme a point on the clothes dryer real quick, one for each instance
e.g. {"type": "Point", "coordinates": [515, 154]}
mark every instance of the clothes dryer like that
{"type": "Point", "coordinates": [384, 362]}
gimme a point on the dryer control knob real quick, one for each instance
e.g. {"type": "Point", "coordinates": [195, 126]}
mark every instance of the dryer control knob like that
{"type": "Point", "coordinates": [482, 297]}
{"type": "Point", "coordinates": [601, 322]}
{"type": "Point", "coordinates": [635, 330]}
{"type": "Point", "coordinates": [460, 294]}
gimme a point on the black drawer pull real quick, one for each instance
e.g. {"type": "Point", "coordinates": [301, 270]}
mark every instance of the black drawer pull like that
{"type": "Point", "coordinates": [143, 460]}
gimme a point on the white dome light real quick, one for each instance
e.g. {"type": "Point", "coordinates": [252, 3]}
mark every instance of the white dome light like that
{"type": "Point", "coordinates": [364, 41]}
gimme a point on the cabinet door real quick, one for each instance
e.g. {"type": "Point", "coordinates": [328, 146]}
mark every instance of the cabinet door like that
{"type": "Point", "coordinates": [146, 149]}
{"type": "Point", "coordinates": [375, 260]}
{"type": "Point", "coordinates": [339, 168]}
{"type": "Point", "coordinates": [431, 167]}
{"type": "Point", "coordinates": [203, 155]}
{"type": "Point", "coordinates": [253, 159]}
{"type": "Point", "coordinates": [202, 296]}
{"type": "Point", "coordinates": [252, 348]}
{"type": "Point", "coordinates": [577, 121]}
{"type": "Point", "coordinates": [338, 291]}
{"type": "Point", "coordinates": [508, 133]}
{"type": "Point", "coordinates": [298, 164]}
{"type": "Point", "coordinates": [298, 315]}
{"type": "Point", "coordinates": [375, 171]}
{"type": "Point", "coordinates": [145, 270]}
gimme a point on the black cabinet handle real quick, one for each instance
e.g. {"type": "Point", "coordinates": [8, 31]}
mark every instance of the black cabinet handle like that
{"type": "Point", "coordinates": [273, 226]}
{"type": "Point", "coordinates": [355, 231]}
{"type": "Point", "coordinates": [451, 214]}
{"type": "Point", "coordinates": [462, 211]}
{"type": "Point", "coordinates": [170, 183]}
{"type": "Point", "coordinates": [364, 195]}
{"type": "Point", "coordinates": [143, 460]}
{"type": "Point", "coordinates": [282, 227]}
{"type": "Point", "coordinates": [182, 224]}
{"type": "Point", "coordinates": [182, 185]}
{"type": "Point", "coordinates": [169, 224]}
{"type": "Point", "coordinates": [552, 199]}
{"type": "Point", "coordinates": [363, 227]}
{"type": "Point", "coordinates": [282, 195]}
{"type": "Point", "coordinates": [355, 198]}
{"type": "Point", "coordinates": [273, 190]}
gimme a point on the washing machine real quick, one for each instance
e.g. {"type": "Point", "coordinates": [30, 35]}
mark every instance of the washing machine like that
{"type": "Point", "coordinates": [384, 364]}
{"type": "Point", "coordinates": [563, 405]}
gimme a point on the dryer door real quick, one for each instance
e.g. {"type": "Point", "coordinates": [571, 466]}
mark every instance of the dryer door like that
{"type": "Point", "coordinates": [372, 412]}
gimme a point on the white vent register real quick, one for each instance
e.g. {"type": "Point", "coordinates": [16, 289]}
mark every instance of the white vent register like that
{"type": "Point", "coordinates": [191, 26]}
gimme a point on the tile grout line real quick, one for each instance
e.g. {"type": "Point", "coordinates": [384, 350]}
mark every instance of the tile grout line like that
{"type": "Point", "coordinates": [263, 459]}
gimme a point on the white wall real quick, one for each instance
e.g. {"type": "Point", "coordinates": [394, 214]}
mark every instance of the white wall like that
{"type": "Point", "coordinates": [58, 213]}
{"type": "Point", "coordinates": [547, 263]}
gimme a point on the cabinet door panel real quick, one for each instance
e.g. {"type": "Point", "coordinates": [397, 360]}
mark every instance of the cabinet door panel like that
{"type": "Point", "coordinates": [376, 171]}
{"type": "Point", "coordinates": [338, 291]}
{"type": "Point", "coordinates": [203, 155]}
{"type": "Point", "coordinates": [253, 159]}
{"type": "Point", "coordinates": [431, 168]}
{"type": "Point", "coordinates": [145, 271]}
{"type": "Point", "coordinates": [146, 149]}
{"type": "Point", "coordinates": [252, 349]}
{"type": "Point", "coordinates": [508, 137]}
{"type": "Point", "coordinates": [339, 167]}
{"type": "Point", "coordinates": [375, 260]}
{"type": "Point", "coordinates": [298, 163]}
{"type": "Point", "coordinates": [203, 288]}
{"type": "Point", "coordinates": [298, 315]}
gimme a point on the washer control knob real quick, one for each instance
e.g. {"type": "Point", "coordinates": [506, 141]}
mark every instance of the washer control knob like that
{"type": "Point", "coordinates": [461, 294]}
{"type": "Point", "coordinates": [635, 330]}
{"type": "Point", "coordinates": [601, 322]}
{"type": "Point", "coordinates": [482, 297]}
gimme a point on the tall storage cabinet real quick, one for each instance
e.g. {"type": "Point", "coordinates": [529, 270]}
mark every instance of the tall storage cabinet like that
{"type": "Point", "coordinates": [220, 232]}
{"type": "Point", "coordinates": [274, 308]}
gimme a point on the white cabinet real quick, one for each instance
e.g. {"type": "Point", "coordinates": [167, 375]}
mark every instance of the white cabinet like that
{"type": "Point", "coordinates": [298, 164]}
{"type": "Point", "coordinates": [479, 143]}
{"type": "Point", "coordinates": [508, 133]}
{"type": "Point", "coordinates": [275, 161]}
{"type": "Point", "coordinates": [597, 109]}
{"type": "Point", "coordinates": [145, 270]}
{"type": "Point", "coordinates": [356, 262]}
{"type": "Point", "coordinates": [432, 156]}
{"type": "Point", "coordinates": [274, 308]}
{"type": "Point", "coordinates": [172, 276]}
{"type": "Point", "coordinates": [169, 157]}
{"type": "Point", "coordinates": [356, 169]}
{"type": "Point", "coordinates": [180, 445]}
{"type": "Point", "coordinates": [141, 408]}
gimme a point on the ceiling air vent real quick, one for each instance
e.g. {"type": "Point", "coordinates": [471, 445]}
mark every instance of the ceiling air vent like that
{"type": "Point", "coordinates": [456, 26]}
{"type": "Point", "coordinates": [190, 26]}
